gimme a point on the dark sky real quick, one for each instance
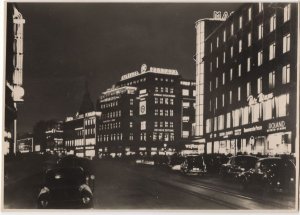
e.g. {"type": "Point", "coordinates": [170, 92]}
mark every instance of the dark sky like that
{"type": "Point", "coordinates": [67, 43]}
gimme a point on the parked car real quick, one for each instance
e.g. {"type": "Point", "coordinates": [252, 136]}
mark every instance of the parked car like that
{"type": "Point", "coordinates": [271, 174]}
{"type": "Point", "coordinates": [193, 165]}
{"type": "Point", "coordinates": [84, 163]}
{"type": "Point", "coordinates": [236, 166]}
{"type": "Point", "coordinates": [65, 188]}
{"type": "Point", "coordinates": [175, 162]}
{"type": "Point", "coordinates": [214, 162]}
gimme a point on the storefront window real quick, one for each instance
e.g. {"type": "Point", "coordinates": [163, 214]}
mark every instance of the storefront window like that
{"type": "Point", "coordinates": [228, 120]}
{"type": "Point", "coordinates": [282, 103]}
{"type": "Point", "coordinates": [267, 110]}
{"type": "Point", "coordinates": [221, 122]}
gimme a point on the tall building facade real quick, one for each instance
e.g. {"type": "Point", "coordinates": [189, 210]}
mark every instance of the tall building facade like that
{"type": "Point", "coordinates": [250, 76]}
{"type": "Point", "coordinates": [54, 138]}
{"type": "Point", "coordinates": [143, 112]}
{"type": "Point", "coordinates": [14, 75]}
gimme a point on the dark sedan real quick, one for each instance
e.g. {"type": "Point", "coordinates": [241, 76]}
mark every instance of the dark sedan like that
{"type": "Point", "coordinates": [271, 174]}
{"type": "Point", "coordinates": [237, 165]}
{"type": "Point", "coordinates": [193, 165]}
{"type": "Point", "coordinates": [84, 163]}
{"type": "Point", "coordinates": [65, 188]}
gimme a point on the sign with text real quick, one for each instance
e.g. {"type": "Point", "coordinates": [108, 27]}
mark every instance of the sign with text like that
{"type": "Point", "coordinates": [142, 107]}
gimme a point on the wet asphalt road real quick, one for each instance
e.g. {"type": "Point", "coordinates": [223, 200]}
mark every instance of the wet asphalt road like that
{"type": "Point", "coordinates": [124, 185]}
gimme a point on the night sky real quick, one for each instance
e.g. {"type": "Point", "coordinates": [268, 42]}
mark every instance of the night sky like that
{"type": "Point", "coordinates": [68, 43]}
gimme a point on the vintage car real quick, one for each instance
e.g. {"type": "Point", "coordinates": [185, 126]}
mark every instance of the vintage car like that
{"type": "Point", "coordinates": [271, 174]}
{"type": "Point", "coordinates": [236, 166]}
{"type": "Point", "coordinates": [65, 188]}
{"type": "Point", "coordinates": [193, 165]}
{"type": "Point", "coordinates": [84, 163]}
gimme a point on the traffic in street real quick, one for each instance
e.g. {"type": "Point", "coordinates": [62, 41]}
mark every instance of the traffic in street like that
{"type": "Point", "coordinates": [129, 184]}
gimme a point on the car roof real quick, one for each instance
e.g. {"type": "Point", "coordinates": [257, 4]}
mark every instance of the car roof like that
{"type": "Point", "coordinates": [58, 169]}
{"type": "Point", "coordinates": [270, 158]}
{"type": "Point", "coordinates": [248, 156]}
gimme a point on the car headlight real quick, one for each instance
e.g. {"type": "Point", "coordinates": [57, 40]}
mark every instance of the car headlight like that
{"type": "Point", "coordinates": [278, 183]}
{"type": "Point", "coordinates": [292, 179]}
{"type": "Point", "coordinates": [92, 177]}
{"type": "Point", "coordinates": [86, 199]}
{"type": "Point", "coordinates": [86, 188]}
{"type": "Point", "coordinates": [44, 190]}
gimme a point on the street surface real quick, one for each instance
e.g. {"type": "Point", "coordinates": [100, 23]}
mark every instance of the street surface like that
{"type": "Point", "coordinates": [126, 185]}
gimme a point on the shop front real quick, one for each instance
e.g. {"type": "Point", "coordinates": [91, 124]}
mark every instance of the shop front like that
{"type": "Point", "coordinates": [266, 138]}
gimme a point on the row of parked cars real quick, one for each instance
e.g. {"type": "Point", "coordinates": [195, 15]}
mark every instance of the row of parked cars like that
{"type": "Point", "coordinates": [268, 173]}
{"type": "Point", "coordinates": [69, 184]}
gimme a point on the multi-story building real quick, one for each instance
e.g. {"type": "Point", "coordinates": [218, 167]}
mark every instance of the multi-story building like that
{"type": "Point", "coordinates": [142, 113]}
{"type": "Point", "coordinates": [25, 144]}
{"type": "Point", "coordinates": [118, 124]}
{"type": "Point", "coordinates": [14, 75]}
{"type": "Point", "coordinates": [80, 131]}
{"type": "Point", "coordinates": [250, 76]}
{"type": "Point", "coordinates": [54, 138]}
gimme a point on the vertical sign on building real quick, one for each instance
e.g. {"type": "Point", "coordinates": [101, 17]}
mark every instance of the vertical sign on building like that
{"type": "Point", "coordinates": [142, 107]}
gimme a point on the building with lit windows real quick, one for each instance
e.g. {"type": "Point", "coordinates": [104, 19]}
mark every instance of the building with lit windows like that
{"type": "Point", "coordinates": [147, 113]}
{"type": "Point", "coordinates": [250, 76]}
{"type": "Point", "coordinates": [54, 138]}
{"type": "Point", "coordinates": [80, 131]}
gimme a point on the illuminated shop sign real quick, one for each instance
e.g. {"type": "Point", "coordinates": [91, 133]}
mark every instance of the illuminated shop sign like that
{"type": "Point", "coordinates": [253, 128]}
{"type": "Point", "coordinates": [237, 131]}
{"type": "Point", "coordinates": [218, 15]}
{"type": "Point", "coordinates": [276, 126]}
{"type": "Point", "coordinates": [260, 98]}
{"type": "Point", "coordinates": [129, 75]}
{"type": "Point", "coordinates": [142, 148]}
{"type": "Point", "coordinates": [164, 71]}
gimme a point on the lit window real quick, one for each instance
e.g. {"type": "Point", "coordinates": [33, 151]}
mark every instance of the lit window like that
{"type": "Point", "coordinates": [245, 117]}
{"type": "Point", "coordinates": [240, 22]}
{"type": "Point", "coordinates": [231, 74]}
{"type": "Point", "coordinates": [236, 117]}
{"type": "Point", "coordinates": [156, 89]}
{"type": "Point", "coordinates": [210, 67]}
{"type": "Point", "coordinates": [272, 80]}
{"type": "Point", "coordinates": [249, 39]}
{"type": "Point", "coordinates": [210, 86]}
{"type": "Point", "coordinates": [171, 101]}
{"type": "Point", "coordinates": [171, 90]}
{"type": "Point", "coordinates": [282, 105]}
{"type": "Point", "coordinates": [161, 89]}
{"type": "Point", "coordinates": [239, 93]}
{"type": "Point", "coordinates": [166, 112]}
{"type": "Point", "coordinates": [240, 70]}
{"type": "Point", "coordinates": [228, 120]}
{"type": "Point", "coordinates": [223, 100]}
{"type": "Point", "coordinates": [215, 123]}
{"type": "Point", "coordinates": [166, 101]}
{"type": "Point", "coordinates": [248, 89]}
{"type": "Point", "coordinates": [210, 47]}
{"type": "Point", "coordinates": [217, 42]}
{"type": "Point", "coordinates": [232, 29]}
{"type": "Point", "coordinates": [131, 101]}
{"type": "Point", "coordinates": [240, 46]}
{"type": "Point", "coordinates": [272, 51]}
{"type": "Point", "coordinates": [256, 112]}
{"type": "Point", "coordinates": [273, 23]}
{"type": "Point", "coordinates": [130, 124]}
{"type": "Point", "coordinates": [171, 112]}
{"type": "Point", "coordinates": [224, 57]}
{"type": "Point", "coordinates": [259, 58]}
{"type": "Point", "coordinates": [131, 113]}
{"type": "Point", "coordinates": [171, 124]}
{"type": "Point", "coordinates": [155, 124]}
{"type": "Point", "coordinates": [223, 78]}
{"type": "Point", "coordinates": [249, 13]}
{"type": "Point", "coordinates": [248, 64]}
{"type": "Point", "coordinates": [260, 7]}
{"type": "Point", "coordinates": [217, 82]}
{"type": "Point", "coordinates": [155, 100]}
{"type": "Point", "coordinates": [217, 62]}
{"type": "Point", "coordinates": [230, 97]}
{"type": "Point", "coordinates": [231, 51]}
{"type": "Point", "coordinates": [185, 92]}
{"type": "Point", "coordinates": [260, 31]}
{"type": "Point", "coordinates": [259, 85]}
{"type": "Point", "coordinates": [156, 112]}
{"type": "Point", "coordinates": [224, 35]}
{"type": "Point", "coordinates": [286, 43]}
{"type": "Point", "coordinates": [267, 109]}
{"type": "Point", "coordinates": [166, 89]}
{"type": "Point", "coordinates": [216, 102]}
{"type": "Point", "coordinates": [161, 100]}
{"type": "Point", "coordinates": [221, 122]}
{"type": "Point", "coordinates": [208, 125]}
{"type": "Point", "coordinates": [287, 13]}
{"type": "Point", "coordinates": [161, 112]}
{"type": "Point", "coordinates": [286, 74]}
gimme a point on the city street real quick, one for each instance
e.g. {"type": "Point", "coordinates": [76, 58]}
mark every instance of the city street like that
{"type": "Point", "coordinates": [126, 185]}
